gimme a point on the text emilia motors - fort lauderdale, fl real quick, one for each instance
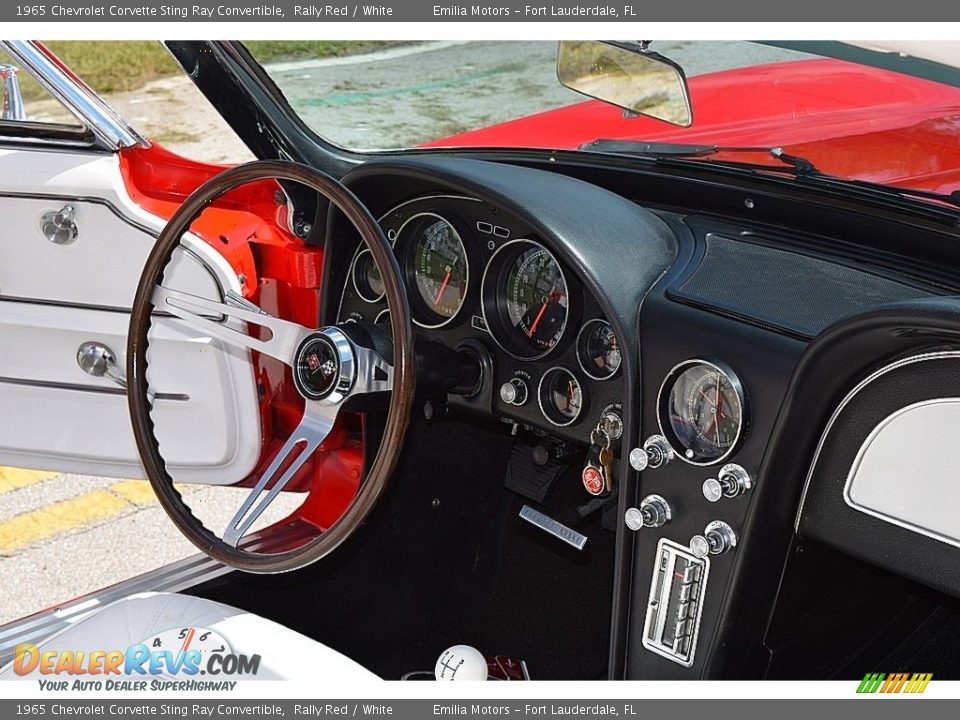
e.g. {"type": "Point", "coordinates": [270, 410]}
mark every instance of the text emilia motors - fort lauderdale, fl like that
{"type": "Point", "coordinates": [186, 11]}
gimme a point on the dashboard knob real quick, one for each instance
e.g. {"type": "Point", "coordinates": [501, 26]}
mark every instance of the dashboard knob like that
{"type": "Point", "coordinates": [514, 392]}
{"type": "Point", "coordinates": [717, 538]}
{"type": "Point", "coordinates": [731, 481]}
{"type": "Point", "coordinates": [654, 512]}
{"type": "Point", "coordinates": [656, 452]}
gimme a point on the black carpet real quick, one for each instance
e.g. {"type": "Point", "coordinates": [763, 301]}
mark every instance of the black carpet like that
{"type": "Point", "coordinates": [445, 560]}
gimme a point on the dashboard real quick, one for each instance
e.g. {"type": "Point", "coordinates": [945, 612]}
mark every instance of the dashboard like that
{"type": "Point", "coordinates": [481, 280]}
{"type": "Point", "coordinates": [690, 318]}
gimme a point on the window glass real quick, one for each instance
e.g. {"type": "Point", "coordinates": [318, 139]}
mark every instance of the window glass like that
{"type": "Point", "coordinates": [24, 99]}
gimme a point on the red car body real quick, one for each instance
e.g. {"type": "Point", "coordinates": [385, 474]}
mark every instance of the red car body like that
{"type": "Point", "coordinates": [849, 120]}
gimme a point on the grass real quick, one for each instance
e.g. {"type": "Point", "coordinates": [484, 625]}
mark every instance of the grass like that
{"type": "Point", "coordinates": [118, 66]}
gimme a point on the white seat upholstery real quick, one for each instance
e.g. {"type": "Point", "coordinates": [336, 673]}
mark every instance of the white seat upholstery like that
{"type": "Point", "coordinates": [285, 654]}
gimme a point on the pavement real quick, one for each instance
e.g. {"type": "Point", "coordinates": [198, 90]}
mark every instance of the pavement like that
{"type": "Point", "coordinates": [65, 535]}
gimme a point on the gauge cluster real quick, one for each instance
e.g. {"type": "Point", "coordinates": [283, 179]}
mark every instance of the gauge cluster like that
{"type": "Point", "coordinates": [474, 275]}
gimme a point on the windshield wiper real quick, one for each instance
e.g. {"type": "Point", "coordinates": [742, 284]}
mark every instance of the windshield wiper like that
{"type": "Point", "coordinates": [801, 166]}
{"type": "Point", "coordinates": [796, 165]}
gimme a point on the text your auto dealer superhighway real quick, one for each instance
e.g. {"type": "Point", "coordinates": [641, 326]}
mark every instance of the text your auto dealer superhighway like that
{"type": "Point", "coordinates": [164, 11]}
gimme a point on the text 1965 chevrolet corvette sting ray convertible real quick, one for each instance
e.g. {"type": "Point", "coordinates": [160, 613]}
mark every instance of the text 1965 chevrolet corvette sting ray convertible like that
{"type": "Point", "coordinates": [661, 384]}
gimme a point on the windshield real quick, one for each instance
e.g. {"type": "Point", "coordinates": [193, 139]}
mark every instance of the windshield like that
{"type": "Point", "coordinates": [849, 120]}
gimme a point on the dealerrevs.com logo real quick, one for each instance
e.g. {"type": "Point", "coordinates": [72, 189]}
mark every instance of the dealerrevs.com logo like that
{"type": "Point", "coordinates": [171, 660]}
{"type": "Point", "coordinates": [912, 683]}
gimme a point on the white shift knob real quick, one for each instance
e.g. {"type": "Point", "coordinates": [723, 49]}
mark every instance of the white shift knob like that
{"type": "Point", "coordinates": [461, 662]}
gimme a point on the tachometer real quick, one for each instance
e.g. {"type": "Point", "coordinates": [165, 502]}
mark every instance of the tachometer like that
{"type": "Point", "coordinates": [702, 411]}
{"type": "Point", "coordinates": [525, 299]}
{"type": "Point", "coordinates": [437, 267]}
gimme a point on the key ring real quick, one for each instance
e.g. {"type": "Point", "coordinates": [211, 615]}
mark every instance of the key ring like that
{"type": "Point", "coordinates": [600, 432]}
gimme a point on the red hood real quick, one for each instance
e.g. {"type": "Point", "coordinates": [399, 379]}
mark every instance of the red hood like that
{"type": "Point", "coordinates": [848, 120]}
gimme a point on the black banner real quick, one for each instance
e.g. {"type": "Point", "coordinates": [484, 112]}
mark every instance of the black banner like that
{"type": "Point", "coordinates": [305, 11]}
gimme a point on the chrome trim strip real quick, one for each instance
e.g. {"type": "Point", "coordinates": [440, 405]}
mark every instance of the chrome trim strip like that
{"type": "Point", "coordinates": [76, 387]}
{"type": "Point", "coordinates": [553, 527]}
{"type": "Point", "coordinates": [861, 453]}
{"type": "Point", "coordinates": [846, 401]}
{"type": "Point", "coordinates": [181, 575]}
{"type": "Point", "coordinates": [110, 129]}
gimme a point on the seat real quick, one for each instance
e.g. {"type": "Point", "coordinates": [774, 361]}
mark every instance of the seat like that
{"type": "Point", "coordinates": [164, 621]}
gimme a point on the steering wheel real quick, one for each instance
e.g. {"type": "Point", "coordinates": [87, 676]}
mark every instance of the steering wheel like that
{"type": "Point", "coordinates": [329, 368]}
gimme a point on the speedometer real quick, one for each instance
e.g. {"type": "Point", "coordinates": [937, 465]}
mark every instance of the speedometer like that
{"type": "Point", "coordinates": [436, 266]}
{"type": "Point", "coordinates": [525, 299]}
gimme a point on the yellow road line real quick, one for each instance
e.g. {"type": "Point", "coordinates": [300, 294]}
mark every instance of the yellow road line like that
{"type": "Point", "coordinates": [137, 492]}
{"type": "Point", "coordinates": [16, 478]}
{"type": "Point", "coordinates": [75, 513]}
{"type": "Point", "coordinates": [58, 518]}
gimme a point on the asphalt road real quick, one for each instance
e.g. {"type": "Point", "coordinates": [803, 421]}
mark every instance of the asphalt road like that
{"type": "Point", "coordinates": [65, 535]}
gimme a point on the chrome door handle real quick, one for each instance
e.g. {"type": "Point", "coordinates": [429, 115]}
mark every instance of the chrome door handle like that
{"type": "Point", "coordinates": [98, 360]}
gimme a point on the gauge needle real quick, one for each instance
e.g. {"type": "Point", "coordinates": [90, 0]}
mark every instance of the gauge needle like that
{"type": "Point", "coordinates": [536, 321]}
{"type": "Point", "coordinates": [443, 286]}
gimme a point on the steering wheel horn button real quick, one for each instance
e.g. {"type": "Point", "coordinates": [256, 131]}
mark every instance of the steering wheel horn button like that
{"type": "Point", "coordinates": [325, 365]}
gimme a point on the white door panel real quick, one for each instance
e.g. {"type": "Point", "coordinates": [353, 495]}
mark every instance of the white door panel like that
{"type": "Point", "coordinates": [53, 298]}
{"type": "Point", "coordinates": [59, 418]}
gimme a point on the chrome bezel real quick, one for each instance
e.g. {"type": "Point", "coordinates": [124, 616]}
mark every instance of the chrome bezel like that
{"type": "Point", "coordinates": [737, 386]}
{"type": "Point", "coordinates": [583, 366]}
{"type": "Point", "coordinates": [540, 396]}
{"type": "Point", "coordinates": [353, 276]}
{"type": "Point", "coordinates": [407, 271]}
{"type": "Point", "coordinates": [491, 328]}
{"type": "Point", "coordinates": [376, 319]}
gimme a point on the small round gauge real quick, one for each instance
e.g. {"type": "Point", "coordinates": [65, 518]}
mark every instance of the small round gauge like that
{"type": "Point", "coordinates": [702, 411]}
{"type": "Point", "coordinates": [598, 350]}
{"type": "Point", "coordinates": [560, 396]}
{"type": "Point", "coordinates": [437, 267]}
{"type": "Point", "coordinates": [526, 302]}
{"type": "Point", "coordinates": [366, 278]}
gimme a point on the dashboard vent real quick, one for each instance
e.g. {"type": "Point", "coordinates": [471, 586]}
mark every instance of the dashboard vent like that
{"type": "Point", "coordinates": [781, 289]}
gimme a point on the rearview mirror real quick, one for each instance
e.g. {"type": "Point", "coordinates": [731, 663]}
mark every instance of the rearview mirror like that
{"type": "Point", "coordinates": [626, 75]}
{"type": "Point", "coordinates": [11, 103]}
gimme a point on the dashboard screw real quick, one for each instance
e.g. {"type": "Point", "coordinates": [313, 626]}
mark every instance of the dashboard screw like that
{"type": "Point", "coordinates": [435, 502]}
{"type": "Point", "coordinates": [491, 245]}
{"type": "Point", "coordinates": [748, 203]}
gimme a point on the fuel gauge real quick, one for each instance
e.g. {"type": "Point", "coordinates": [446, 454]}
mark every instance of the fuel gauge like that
{"type": "Point", "coordinates": [560, 396]}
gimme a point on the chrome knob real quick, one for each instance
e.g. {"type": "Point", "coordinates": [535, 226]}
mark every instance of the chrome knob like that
{"type": "Point", "coordinates": [654, 512]}
{"type": "Point", "coordinates": [656, 452]}
{"type": "Point", "coordinates": [514, 392]}
{"type": "Point", "coordinates": [731, 481]}
{"type": "Point", "coordinates": [717, 538]}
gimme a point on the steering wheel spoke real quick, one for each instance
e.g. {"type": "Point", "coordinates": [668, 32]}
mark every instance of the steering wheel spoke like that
{"type": "Point", "coordinates": [374, 373]}
{"type": "Point", "coordinates": [327, 369]}
{"type": "Point", "coordinates": [313, 429]}
{"type": "Point", "coordinates": [214, 318]}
